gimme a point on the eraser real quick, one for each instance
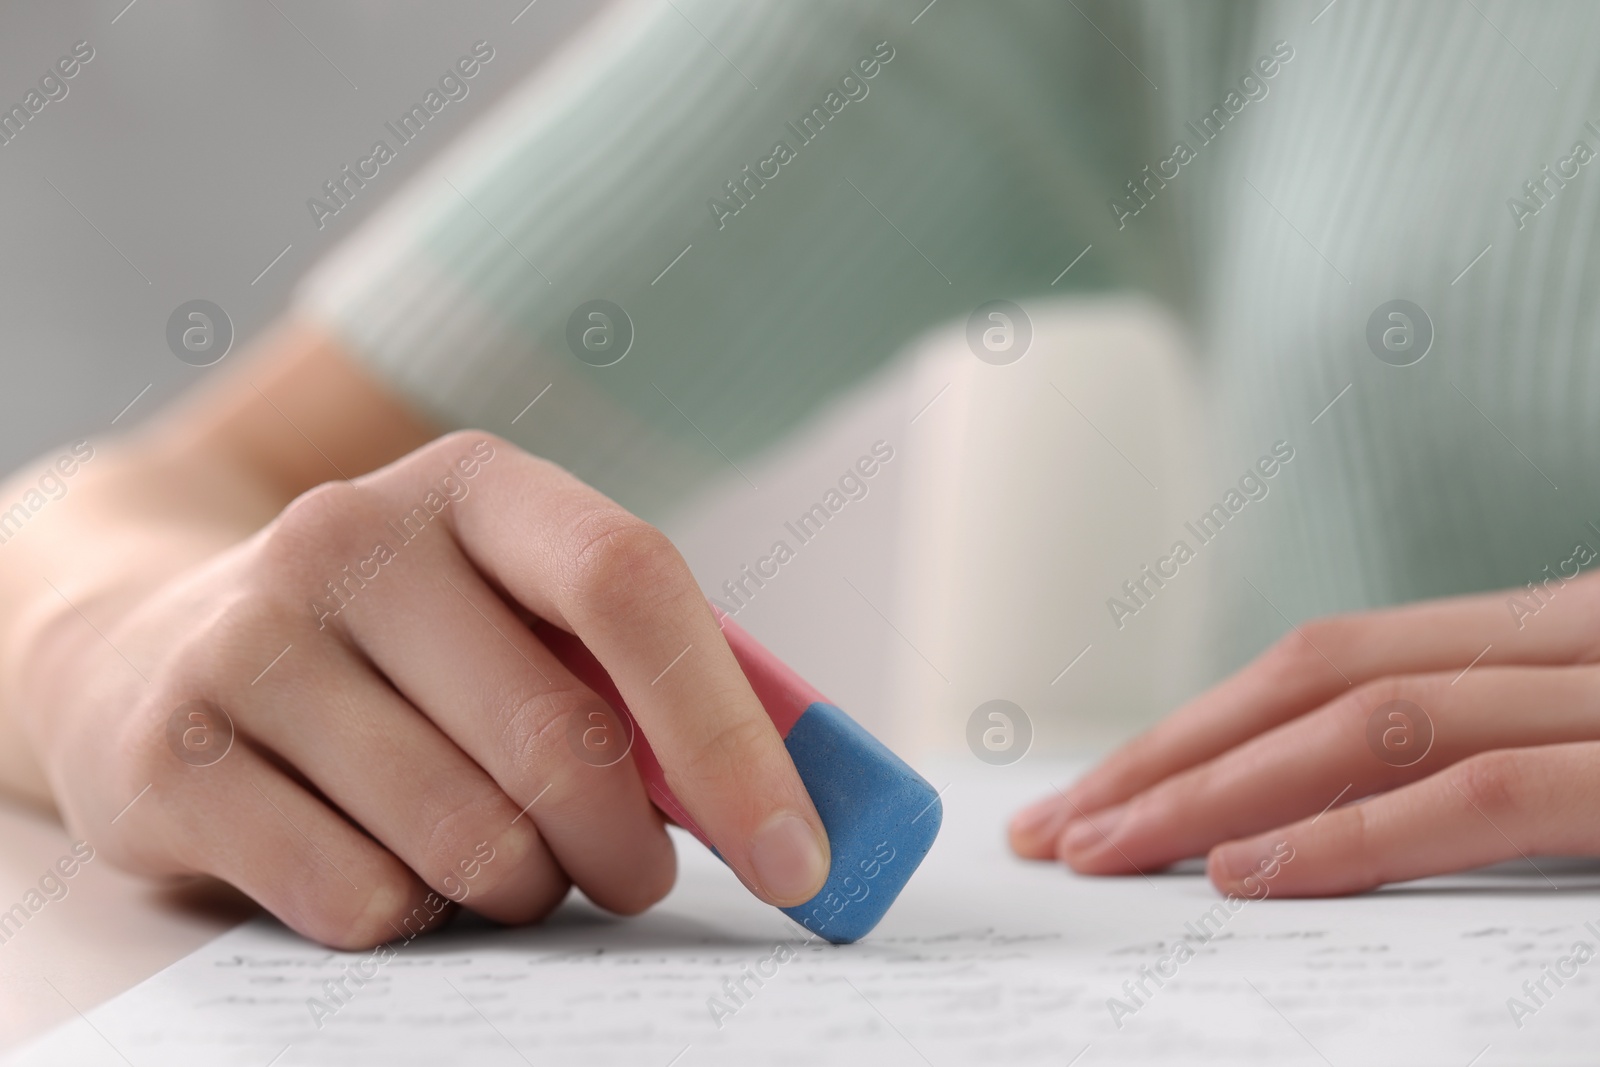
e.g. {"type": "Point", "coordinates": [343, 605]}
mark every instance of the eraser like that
{"type": "Point", "coordinates": [880, 815]}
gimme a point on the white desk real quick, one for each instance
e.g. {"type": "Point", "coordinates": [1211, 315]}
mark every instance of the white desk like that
{"type": "Point", "coordinates": [108, 933]}
{"type": "Point", "coordinates": [985, 959]}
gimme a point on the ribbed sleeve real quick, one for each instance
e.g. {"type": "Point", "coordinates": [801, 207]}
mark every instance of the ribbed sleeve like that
{"type": "Point", "coordinates": [930, 166]}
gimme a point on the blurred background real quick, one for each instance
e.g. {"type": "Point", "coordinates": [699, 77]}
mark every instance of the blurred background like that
{"type": "Point", "coordinates": [178, 165]}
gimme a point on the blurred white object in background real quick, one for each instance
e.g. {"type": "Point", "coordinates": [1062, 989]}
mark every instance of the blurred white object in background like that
{"type": "Point", "coordinates": [979, 562]}
{"type": "Point", "coordinates": [1034, 490]}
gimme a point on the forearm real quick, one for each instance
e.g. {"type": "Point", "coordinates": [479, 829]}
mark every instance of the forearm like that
{"type": "Point", "coordinates": [147, 506]}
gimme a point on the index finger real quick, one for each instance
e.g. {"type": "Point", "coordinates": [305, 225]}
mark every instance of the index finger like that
{"type": "Point", "coordinates": [577, 560]}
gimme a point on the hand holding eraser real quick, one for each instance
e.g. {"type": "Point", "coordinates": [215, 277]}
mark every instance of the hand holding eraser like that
{"type": "Point", "coordinates": [880, 815]}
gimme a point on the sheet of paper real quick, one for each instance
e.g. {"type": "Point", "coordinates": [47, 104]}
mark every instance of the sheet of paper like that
{"type": "Point", "coordinates": [984, 960]}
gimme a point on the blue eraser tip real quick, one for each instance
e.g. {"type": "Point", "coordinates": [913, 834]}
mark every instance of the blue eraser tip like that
{"type": "Point", "coordinates": [881, 817]}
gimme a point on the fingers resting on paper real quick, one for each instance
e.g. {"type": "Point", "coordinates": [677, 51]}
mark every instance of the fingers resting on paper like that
{"type": "Point", "coordinates": [1419, 740]}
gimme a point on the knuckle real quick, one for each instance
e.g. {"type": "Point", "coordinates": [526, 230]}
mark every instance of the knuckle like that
{"type": "Point", "coordinates": [1286, 650]}
{"type": "Point", "coordinates": [534, 724]}
{"type": "Point", "coordinates": [149, 759]}
{"type": "Point", "coordinates": [1359, 703]}
{"type": "Point", "coordinates": [450, 837]}
{"type": "Point", "coordinates": [1284, 661]}
{"type": "Point", "coordinates": [1307, 649]}
{"type": "Point", "coordinates": [424, 480]}
{"type": "Point", "coordinates": [1490, 781]}
{"type": "Point", "coordinates": [619, 560]}
{"type": "Point", "coordinates": [459, 454]}
{"type": "Point", "coordinates": [318, 522]}
{"type": "Point", "coordinates": [729, 748]}
{"type": "Point", "coordinates": [1332, 634]}
{"type": "Point", "coordinates": [459, 443]}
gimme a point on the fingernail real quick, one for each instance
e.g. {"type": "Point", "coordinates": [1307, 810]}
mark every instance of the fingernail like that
{"type": "Point", "coordinates": [1257, 862]}
{"type": "Point", "coordinates": [1230, 867]}
{"type": "Point", "coordinates": [1040, 820]}
{"type": "Point", "coordinates": [1225, 866]}
{"type": "Point", "coordinates": [790, 863]}
{"type": "Point", "coordinates": [1091, 830]}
